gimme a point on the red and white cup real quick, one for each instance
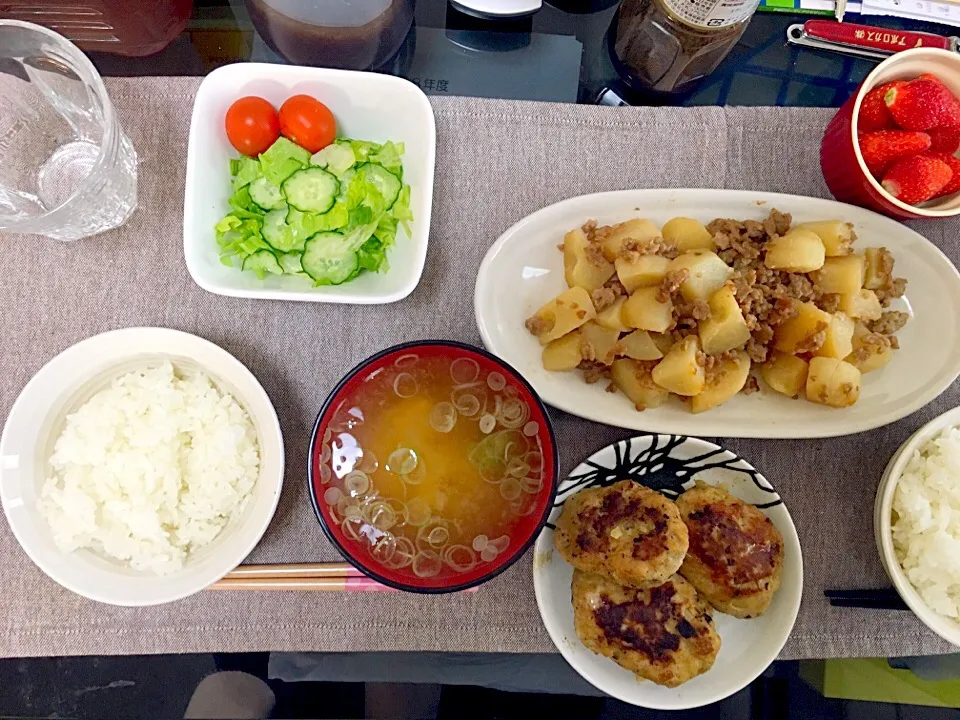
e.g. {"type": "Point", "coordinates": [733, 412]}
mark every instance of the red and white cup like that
{"type": "Point", "coordinates": [843, 167]}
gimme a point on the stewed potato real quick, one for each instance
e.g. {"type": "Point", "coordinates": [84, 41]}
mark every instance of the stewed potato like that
{"type": "Point", "coordinates": [706, 273]}
{"type": "Point", "coordinates": [644, 271]}
{"type": "Point", "coordinates": [838, 342]}
{"type": "Point", "coordinates": [836, 236]}
{"type": "Point", "coordinates": [639, 346]}
{"type": "Point", "coordinates": [841, 275]}
{"type": "Point", "coordinates": [832, 382]}
{"type": "Point", "coordinates": [687, 234]}
{"type": "Point", "coordinates": [599, 343]}
{"type": "Point", "coordinates": [726, 380]}
{"type": "Point", "coordinates": [612, 316]}
{"type": "Point", "coordinates": [862, 305]}
{"type": "Point", "coordinates": [679, 372]}
{"type": "Point", "coordinates": [563, 354]}
{"type": "Point", "coordinates": [701, 311]}
{"type": "Point", "coordinates": [726, 327]}
{"type": "Point", "coordinates": [879, 268]}
{"type": "Point", "coordinates": [636, 230]}
{"type": "Point", "coordinates": [633, 378]}
{"type": "Point", "coordinates": [795, 333]}
{"type": "Point", "coordinates": [786, 374]}
{"type": "Point", "coordinates": [644, 311]}
{"type": "Point", "coordinates": [800, 250]}
{"type": "Point", "coordinates": [565, 313]}
{"type": "Point", "coordinates": [582, 267]}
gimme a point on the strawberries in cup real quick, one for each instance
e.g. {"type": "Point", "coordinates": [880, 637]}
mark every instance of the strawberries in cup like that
{"type": "Point", "coordinates": [909, 132]}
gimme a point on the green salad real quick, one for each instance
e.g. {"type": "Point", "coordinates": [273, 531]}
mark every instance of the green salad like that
{"type": "Point", "coordinates": [328, 216]}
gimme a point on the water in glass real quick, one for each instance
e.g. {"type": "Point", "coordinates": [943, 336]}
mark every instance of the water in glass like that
{"type": "Point", "coordinates": [67, 170]}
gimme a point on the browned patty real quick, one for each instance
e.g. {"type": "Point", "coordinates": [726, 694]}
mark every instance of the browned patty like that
{"type": "Point", "coordinates": [664, 634]}
{"type": "Point", "coordinates": [736, 553]}
{"type": "Point", "coordinates": [626, 532]}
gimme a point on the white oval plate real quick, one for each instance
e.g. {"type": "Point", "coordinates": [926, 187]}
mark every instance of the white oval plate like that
{"type": "Point", "coordinates": [72, 378]}
{"type": "Point", "coordinates": [670, 464]}
{"type": "Point", "coordinates": [523, 270]}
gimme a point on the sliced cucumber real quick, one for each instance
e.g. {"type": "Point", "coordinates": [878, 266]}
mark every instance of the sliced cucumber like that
{"type": "Point", "coordinates": [267, 195]}
{"type": "Point", "coordinates": [386, 183]}
{"type": "Point", "coordinates": [328, 260]}
{"type": "Point", "coordinates": [311, 190]}
{"type": "Point", "coordinates": [335, 158]}
{"type": "Point", "coordinates": [278, 234]}
{"type": "Point", "coordinates": [290, 262]}
{"type": "Point", "coordinates": [263, 262]}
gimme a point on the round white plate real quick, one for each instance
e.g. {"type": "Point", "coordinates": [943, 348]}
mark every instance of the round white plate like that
{"type": "Point", "coordinates": [523, 270]}
{"type": "Point", "coordinates": [69, 380]}
{"type": "Point", "coordinates": [671, 464]}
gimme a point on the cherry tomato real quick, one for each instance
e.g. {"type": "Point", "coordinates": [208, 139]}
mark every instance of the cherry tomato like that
{"type": "Point", "coordinates": [308, 122]}
{"type": "Point", "coordinates": [252, 125]}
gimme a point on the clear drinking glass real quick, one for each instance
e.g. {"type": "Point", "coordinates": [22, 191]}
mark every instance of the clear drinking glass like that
{"type": "Point", "coordinates": [67, 171]}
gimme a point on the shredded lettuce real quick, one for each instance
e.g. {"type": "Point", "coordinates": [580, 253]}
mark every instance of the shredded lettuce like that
{"type": "Point", "coordinates": [244, 171]}
{"type": "Point", "coordinates": [283, 159]}
{"type": "Point", "coordinates": [360, 213]}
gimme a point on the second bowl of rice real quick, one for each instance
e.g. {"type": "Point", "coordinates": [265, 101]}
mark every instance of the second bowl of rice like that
{"type": "Point", "coordinates": [917, 524]}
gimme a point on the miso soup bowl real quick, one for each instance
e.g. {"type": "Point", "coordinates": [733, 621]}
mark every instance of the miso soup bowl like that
{"type": "Point", "coordinates": [342, 480]}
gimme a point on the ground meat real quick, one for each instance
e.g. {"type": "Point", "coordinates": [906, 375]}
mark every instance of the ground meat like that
{"type": "Point", "coordinates": [603, 298]}
{"type": "Point", "coordinates": [757, 350]}
{"type": "Point", "coordinates": [611, 388]}
{"type": "Point", "coordinates": [671, 283]}
{"type": "Point", "coordinates": [594, 371]}
{"type": "Point", "coordinates": [614, 284]}
{"type": "Point", "coordinates": [894, 289]}
{"type": "Point", "coordinates": [812, 343]}
{"type": "Point", "coordinates": [894, 342]}
{"type": "Point", "coordinates": [589, 229]}
{"type": "Point", "coordinates": [538, 325]}
{"type": "Point", "coordinates": [594, 254]}
{"type": "Point", "coordinates": [631, 250]}
{"type": "Point", "coordinates": [830, 302]}
{"type": "Point", "coordinates": [889, 323]}
{"type": "Point", "coordinates": [751, 386]}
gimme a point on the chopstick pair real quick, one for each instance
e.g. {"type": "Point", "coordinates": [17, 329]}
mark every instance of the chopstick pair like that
{"type": "Point", "coordinates": [880, 599]}
{"type": "Point", "coordinates": [301, 577]}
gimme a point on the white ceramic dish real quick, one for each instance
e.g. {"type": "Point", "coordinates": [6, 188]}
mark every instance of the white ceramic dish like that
{"type": "Point", "coordinates": [670, 464]}
{"type": "Point", "coordinates": [523, 270]}
{"type": "Point", "coordinates": [367, 106]}
{"type": "Point", "coordinates": [945, 627]}
{"type": "Point", "coordinates": [69, 380]}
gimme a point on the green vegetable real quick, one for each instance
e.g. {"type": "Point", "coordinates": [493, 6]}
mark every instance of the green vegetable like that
{"type": "Point", "coordinates": [279, 229]}
{"type": "Point", "coordinates": [283, 159]}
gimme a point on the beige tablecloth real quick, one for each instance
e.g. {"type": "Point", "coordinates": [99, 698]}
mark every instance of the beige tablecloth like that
{"type": "Point", "coordinates": [497, 161]}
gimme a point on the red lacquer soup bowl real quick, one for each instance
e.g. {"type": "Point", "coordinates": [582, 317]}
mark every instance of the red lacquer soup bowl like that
{"type": "Point", "coordinates": [433, 466]}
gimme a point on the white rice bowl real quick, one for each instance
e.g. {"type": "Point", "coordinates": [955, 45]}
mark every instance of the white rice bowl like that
{"type": "Point", "coordinates": [150, 469]}
{"type": "Point", "coordinates": [926, 522]}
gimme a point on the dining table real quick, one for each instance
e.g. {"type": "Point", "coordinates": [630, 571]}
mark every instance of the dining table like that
{"type": "Point", "coordinates": [512, 138]}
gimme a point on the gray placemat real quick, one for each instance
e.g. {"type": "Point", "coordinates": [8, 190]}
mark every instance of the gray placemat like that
{"type": "Point", "coordinates": [497, 161]}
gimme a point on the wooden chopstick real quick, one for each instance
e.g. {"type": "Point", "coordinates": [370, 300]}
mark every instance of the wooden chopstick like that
{"type": "Point", "coordinates": [294, 570]}
{"type": "Point", "coordinates": [869, 599]}
{"type": "Point", "coordinates": [301, 577]}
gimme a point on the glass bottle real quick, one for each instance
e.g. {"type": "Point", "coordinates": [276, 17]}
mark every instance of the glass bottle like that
{"type": "Point", "coordinates": [666, 46]}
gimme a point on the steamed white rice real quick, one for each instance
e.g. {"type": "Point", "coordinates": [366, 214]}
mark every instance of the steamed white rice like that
{"type": "Point", "coordinates": [150, 469]}
{"type": "Point", "coordinates": [926, 522]}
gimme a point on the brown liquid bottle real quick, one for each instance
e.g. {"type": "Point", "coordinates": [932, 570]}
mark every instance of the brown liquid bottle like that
{"type": "Point", "coordinates": [666, 46]}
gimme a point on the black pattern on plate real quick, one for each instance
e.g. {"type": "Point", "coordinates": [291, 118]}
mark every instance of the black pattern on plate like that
{"type": "Point", "coordinates": [649, 460]}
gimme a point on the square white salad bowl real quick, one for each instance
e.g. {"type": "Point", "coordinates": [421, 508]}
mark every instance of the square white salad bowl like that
{"type": "Point", "coordinates": [367, 106]}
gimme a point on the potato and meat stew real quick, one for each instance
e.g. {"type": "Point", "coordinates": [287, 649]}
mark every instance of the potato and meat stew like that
{"type": "Point", "coordinates": [699, 311]}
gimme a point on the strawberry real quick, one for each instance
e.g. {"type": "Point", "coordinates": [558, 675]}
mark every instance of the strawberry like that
{"type": "Point", "coordinates": [882, 148]}
{"type": "Point", "coordinates": [916, 179]}
{"type": "Point", "coordinates": [951, 119]}
{"type": "Point", "coordinates": [944, 140]}
{"type": "Point", "coordinates": [954, 163]}
{"type": "Point", "coordinates": [874, 114]}
{"type": "Point", "coordinates": [922, 104]}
